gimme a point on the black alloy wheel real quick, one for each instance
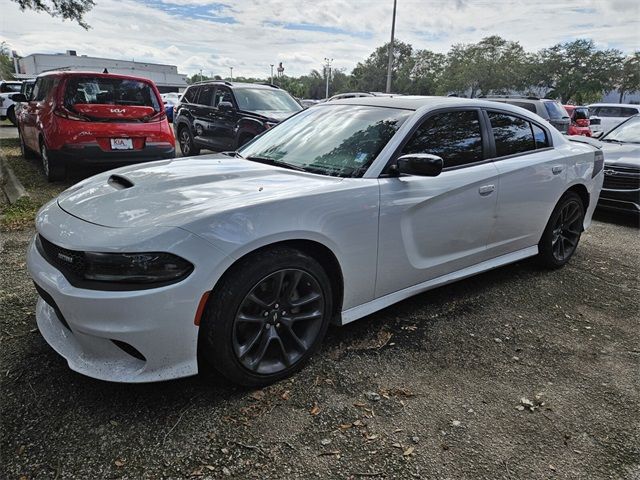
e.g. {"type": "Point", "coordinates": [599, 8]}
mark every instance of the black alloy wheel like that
{"type": "Point", "coordinates": [562, 233]}
{"type": "Point", "coordinates": [278, 321]}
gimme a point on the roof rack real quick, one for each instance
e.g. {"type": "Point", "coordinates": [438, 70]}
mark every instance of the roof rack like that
{"type": "Point", "coordinates": [267, 84]}
{"type": "Point", "coordinates": [526, 97]}
{"type": "Point", "coordinates": [225, 82]}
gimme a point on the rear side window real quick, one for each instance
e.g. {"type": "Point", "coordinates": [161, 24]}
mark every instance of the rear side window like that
{"type": "Point", "coordinates": [512, 134]}
{"type": "Point", "coordinates": [581, 114]}
{"type": "Point", "coordinates": [454, 136]}
{"type": "Point", "coordinates": [623, 112]}
{"type": "Point", "coordinates": [190, 95]}
{"type": "Point", "coordinates": [206, 95]}
{"type": "Point", "coordinates": [527, 106]}
{"type": "Point", "coordinates": [555, 110]}
{"type": "Point", "coordinates": [628, 112]}
{"type": "Point", "coordinates": [540, 136]}
{"type": "Point", "coordinates": [110, 91]}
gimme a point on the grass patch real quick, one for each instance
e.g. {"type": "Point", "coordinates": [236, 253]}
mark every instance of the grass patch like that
{"type": "Point", "coordinates": [22, 213]}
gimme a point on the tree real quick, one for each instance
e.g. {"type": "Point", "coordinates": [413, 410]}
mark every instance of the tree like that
{"type": "Point", "coordinates": [6, 62]}
{"type": "Point", "coordinates": [67, 9]}
{"type": "Point", "coordinates": [629, 76]}
{"type": "Point", "coordinates": [371, 75]}
{"type": "Point", "coordinates": [426, 72]}
{"type": "Point", "coordinates": [493, 65]}
{"type": "Point", "coordinates": [577, 71]}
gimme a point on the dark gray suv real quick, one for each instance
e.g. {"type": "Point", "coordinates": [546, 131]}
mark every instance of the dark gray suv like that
{"type": "Point", "coordinates": [220, 115]}
{"type": "Point", "coordinates": [551, 110]}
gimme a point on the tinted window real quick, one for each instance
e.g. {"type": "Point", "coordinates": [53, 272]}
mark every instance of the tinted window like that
{"type": "Point", "coordinates": [454, 136]}
{"type": "Point", "coordinates": [223, 95]}
{"type": "Point", "coordinates": [42, 88]}
{"type": "Point", "coordinates": [110, 91]}
{"type": "Point", "coordinates": [540, 136]}
{"type": "Point", "coordinates": [206, 95]}
{"type": "Point", "coordinates": [336, 140]}
{"type": "Point", "coordinates": [10, 87]}
{"type": "Point", "coordinates": [190, 95]}
{"type": "Point", "coordinates": [528, 106]}
{"type": "Point", "coordinates": [614, 112]}
{"type": "Point", "coordinates": [265, 100]}
{"type": "Point", "coordinates": [555, 110]}
{"type": "Point", "coordinates": [581, 114]}
{"type": "Point", "coordinates": [628, 112]}
{"type": "Point", "coordinates": [512, 134]}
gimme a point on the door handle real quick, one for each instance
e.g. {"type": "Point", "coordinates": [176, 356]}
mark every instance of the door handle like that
{"type": "Point", "coordinates": [557, 169]}
{"type": "Point", "coordinates": [486, 189]}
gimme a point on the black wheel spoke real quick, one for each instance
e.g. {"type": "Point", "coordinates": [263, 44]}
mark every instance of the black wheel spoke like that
{"type": "Point", "coordinates": [267, 316]}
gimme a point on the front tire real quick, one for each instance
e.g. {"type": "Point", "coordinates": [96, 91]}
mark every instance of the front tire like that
{"type": "Point", "coordinates": [562, 233]}
{"type": "Point", "coordinates": [52, 168]}
{"type": "Point", "coordinates": [267, 317]}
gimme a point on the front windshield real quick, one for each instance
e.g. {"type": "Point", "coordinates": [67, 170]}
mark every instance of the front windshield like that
{"type": "Point", "coordinates": [265, 100]}
{"type": "Point", "coordinates": [337, 140]}
{"type": "Point", "coordinates": [627, 132]}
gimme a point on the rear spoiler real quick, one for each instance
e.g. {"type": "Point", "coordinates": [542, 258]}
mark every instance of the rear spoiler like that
{"type": "Point", "coordinates": [588, 140]}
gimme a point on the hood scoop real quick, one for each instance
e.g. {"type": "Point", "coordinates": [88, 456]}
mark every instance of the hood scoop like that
{"type": "Point", "coordinates": [119, 182]}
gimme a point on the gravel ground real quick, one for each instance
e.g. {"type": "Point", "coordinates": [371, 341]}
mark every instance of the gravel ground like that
{"type": "Point", "coordinates": [516, 373]}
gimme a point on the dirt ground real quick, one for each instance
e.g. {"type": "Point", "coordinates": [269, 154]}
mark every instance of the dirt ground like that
{"type": "Point", "coordinates": [519, 373]}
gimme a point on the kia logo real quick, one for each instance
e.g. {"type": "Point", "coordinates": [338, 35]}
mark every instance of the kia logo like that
{"type": "Point", "coordinates": [118, 110]}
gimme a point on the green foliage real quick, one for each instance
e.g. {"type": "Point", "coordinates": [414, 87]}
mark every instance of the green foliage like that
{"type": "Point", "coordinates": [74, 10]}
{"type": "Point", "coordinates": [6, 62]}
{"type": "Point", "coordinates": [629, 75]}
{"type": "Point", "coordinates": [371, 75]}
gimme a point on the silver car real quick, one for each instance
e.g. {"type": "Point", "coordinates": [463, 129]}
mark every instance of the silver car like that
{"type": "Point", "coordinates": [244, 258]}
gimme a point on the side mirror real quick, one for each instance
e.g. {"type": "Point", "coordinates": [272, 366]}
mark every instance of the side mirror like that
{"type": "Point", "coordinates": [225, 106]}
{"type": "Point", "coordinates": [18, 97]}
{"type": "Point", "coordinates": [597, 134]}
{"type": "Point", "coordinates": [423, 164]}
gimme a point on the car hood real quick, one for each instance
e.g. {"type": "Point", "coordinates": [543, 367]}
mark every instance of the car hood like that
{"type": "Point", "coordinates": [274, 115]}
{"type": "Point", "coordinates": [175, 192]}
{"type": "Point", "coordinates": [621, 154]}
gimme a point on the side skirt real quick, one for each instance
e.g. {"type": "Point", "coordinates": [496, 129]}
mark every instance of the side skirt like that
{"type": "Point", "coordinates": [368, 308]}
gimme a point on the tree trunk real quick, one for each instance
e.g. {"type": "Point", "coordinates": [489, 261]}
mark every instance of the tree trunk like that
{"type": "Point", "coordinates": [621, 96]}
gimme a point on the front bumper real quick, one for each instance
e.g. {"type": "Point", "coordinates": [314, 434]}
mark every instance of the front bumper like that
{"type": "Point", "coordinates": [94, 330]}
{"type": "Point", "coordinates": [625, 200]}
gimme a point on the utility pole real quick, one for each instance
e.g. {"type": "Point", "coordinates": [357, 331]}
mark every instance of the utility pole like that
{"type": "Point", "coordinates": [200, 74]}
{"type": "Point", "coordinates": [271, 73]}
{"type": "Point", "coordinates": [393, 31]}
{"type": "Point", "coordinates": [231, 73]}
{"type": "Point", "coordinates": [327, 73]}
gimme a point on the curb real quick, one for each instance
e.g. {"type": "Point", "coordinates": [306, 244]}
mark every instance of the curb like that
{"type": "Point", "coordinates": [11, 186]}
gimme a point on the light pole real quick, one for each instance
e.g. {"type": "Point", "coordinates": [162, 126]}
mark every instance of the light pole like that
{"type": "Point", "coordinates": [231, 73]}
{"type": "Point", "coordinates": [271, 73]}
{"type": "Point", "coordinates": [327, 73]}
{"type": "Point", "coordinates": [393, 31]}
{"type": "Point", "coordinates": [200, 74]}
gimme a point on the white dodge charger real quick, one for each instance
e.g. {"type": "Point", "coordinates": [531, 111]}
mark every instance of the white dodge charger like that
{"type": "Point", "coordinates": [243, 258]}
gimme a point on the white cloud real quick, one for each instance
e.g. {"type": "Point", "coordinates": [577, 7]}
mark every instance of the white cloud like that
{"type": "Point", "coordinates": [128, 29]}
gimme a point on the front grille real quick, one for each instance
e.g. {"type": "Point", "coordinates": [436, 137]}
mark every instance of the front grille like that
{"type": "Point", "coordinates": [68, 261]}
{"type": "Point", "coordinates": [621, 178]}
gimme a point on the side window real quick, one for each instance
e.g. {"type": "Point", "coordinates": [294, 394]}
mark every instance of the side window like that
{"type": "Point", "coordinates": [454, 136]}
{"type": "Point", "coordinates": [609, 112]}
{"type": "Point", "coordinates": [190, 95]}
{"type": "Point", "coordinates": [628, 112]}
{"type": "Point", "coordinates": [206, 95]}
{"type": "Point", "coordinates": [42, 88]}
{"type": "Point", "coordinates": [540, 136]}
{"type": "Point", "coordinates": [223, 95]}
{"type": "Point", "coordinates": [512, 134]}
{"type": "Point", "coordinates": [527, 106]}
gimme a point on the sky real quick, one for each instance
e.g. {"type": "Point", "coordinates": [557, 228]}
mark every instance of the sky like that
{"type": "Point", "coordinates": [249, 35]}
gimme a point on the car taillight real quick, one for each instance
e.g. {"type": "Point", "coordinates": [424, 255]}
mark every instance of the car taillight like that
{"type": "Point", "coordinates": [63, 112]}
{"type": "Point", "coordinates": [598, 163]}
{"type": "Point", "coordinates": [157, 117]}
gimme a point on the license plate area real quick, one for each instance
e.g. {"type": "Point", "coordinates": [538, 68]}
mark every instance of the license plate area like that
{"type": "Point", "coordinates": [121, 144]}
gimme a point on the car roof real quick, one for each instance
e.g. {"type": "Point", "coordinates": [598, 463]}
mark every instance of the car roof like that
{"type": "Point", "coordinates": [88, 73]}
{"type": "Point", "coordinates": [414, 102]}
{"type": "Point", "coordinates": [264, 86]}
{"type": "Point", "coordinates": [637, 107]}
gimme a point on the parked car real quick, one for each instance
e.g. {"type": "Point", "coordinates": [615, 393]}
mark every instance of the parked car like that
{"type": "Point", "coordinates": [551, 110]}
{"type": "Point", "coordinates": [220, 115]}
{"type": "Point", "coordinates": [91, 118]}
{"type": "Point", "coordinates": [245, 258]}
{"type": "Point", "coordinates": [25, 91]}
{"type": "Point", "coordinates": [621, 146]}
{"type": "Point", "coordinates": [170, 100]}
{"type": "Point", "coordinates": [342, 96]}
{"type": "Point", "coordinates": [7, 104]}
{"type": "Point", "coordinates": [605, 116]}
{"type": "Point", "coordinates": [579, 117]}
{"type": "Point", "coordinates": [309, 102]}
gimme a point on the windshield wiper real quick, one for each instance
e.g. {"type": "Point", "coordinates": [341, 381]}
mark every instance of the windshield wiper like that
{"type": "Point", "coordinates": [611, 140]}
{"type": "Point", "coordinates": [276, 163]}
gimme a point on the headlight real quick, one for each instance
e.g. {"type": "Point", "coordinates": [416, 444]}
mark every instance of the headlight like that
{"type": "Point", "coordinates": [135, 267]}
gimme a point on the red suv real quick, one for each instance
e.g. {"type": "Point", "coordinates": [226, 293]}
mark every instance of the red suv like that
{"type": "Point", "coordinates": [93, 119]}
{"type": "Point", "coordinates": [580, 124]}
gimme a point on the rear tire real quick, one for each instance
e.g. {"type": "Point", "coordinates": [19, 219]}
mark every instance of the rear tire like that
{"type": "Point", "coordinates": [266, 317]}
{"type": "Point", "coordinates": [187, 144]}
{"type": "Point", "coordinates": [11, 115]}
{"type": "Point", "coordinates": [562, 233]}
{"type": "Point", "coordinates": [26, 152]}
{"type": "Point", "coordinates": [52, 168]}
